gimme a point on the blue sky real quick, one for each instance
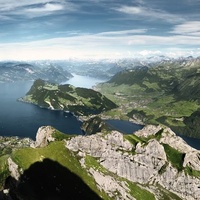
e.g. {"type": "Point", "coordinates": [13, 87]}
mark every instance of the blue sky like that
{"type": "Point", "coordinates": [62, 29]}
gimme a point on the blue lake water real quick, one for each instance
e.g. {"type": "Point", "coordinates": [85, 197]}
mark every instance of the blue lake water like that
{"type": "Point", "coordinates": [23, 120]}
{"type": "Point", "coordinates": [84, 81]}
{"type": "Point", "coordinates": [124, 126]}
{"type": "Point", "coordinates": [193, 142]}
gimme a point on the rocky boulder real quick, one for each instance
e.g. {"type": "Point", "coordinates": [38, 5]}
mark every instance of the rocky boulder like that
{"type": "Point", "coordinates": [14, 169]}
{"type": "Point", "coordinates": [44, 136]}
{"type": "Point", "coordinates": [192, 160]}
{"type": "Point", "coordinates": [148, 130]}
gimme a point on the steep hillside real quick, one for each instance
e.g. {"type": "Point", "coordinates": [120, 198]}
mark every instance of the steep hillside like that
{"type": "Point", "coordinates": [151, 164]}
{"type": "Point", "coordinates": [189, 88]}
{"type": "Point", "coordinates": [80, 101]}
{"type": "Point", "coordinates": [167, 92]}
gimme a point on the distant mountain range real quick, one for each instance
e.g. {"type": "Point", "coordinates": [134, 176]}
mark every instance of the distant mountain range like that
{"type": "Point", "coordinates": [61, 70]}
{"type": "Point", "coordinates": [107, 68]}
{"type": "Point", "coordinates": [153, 163]}
{"type": "Point", "coordinates": [18, 71]}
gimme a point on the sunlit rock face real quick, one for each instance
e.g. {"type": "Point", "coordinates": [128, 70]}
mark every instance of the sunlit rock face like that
{"type": "Point", "coordinates": [44, 136]}
{"type": "Point", "coordinates": [144, 163]}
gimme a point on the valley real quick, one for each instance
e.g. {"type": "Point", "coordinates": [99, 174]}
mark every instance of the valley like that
{"type": "Point", "coordinates": [109, 159]}
{"type": "Point", "coordinates": [99, 100]}
{"type": "Point", "coordinates": [167, 93]}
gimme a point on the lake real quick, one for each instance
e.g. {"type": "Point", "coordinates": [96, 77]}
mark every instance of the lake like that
{"type": "Point", "coordinates": [23, 120]}
{"type": "Point", "coordinates": [84, 81]}
{"type": "Point", "coordinates": [124, 126]}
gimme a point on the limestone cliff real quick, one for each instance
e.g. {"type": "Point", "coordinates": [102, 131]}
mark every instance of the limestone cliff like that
{"type": "Point", "coordinates": [151, 164]}
{"type": "Point", "coordinates": [147, 162]}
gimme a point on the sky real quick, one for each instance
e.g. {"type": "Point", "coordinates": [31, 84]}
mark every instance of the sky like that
{"type": "Point", "coordinates": [96, 29]}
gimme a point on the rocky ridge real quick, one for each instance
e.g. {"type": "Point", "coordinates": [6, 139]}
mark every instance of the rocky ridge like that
{"type": "Point", "coordinates": [116, 162]}
{"type": "Point", "coordinates": [145, 163]}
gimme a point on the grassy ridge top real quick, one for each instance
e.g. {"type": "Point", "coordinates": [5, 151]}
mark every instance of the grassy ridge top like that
{"type": "Point", "coordinates": [80, 101]}
{"type": "Point", "coordinates": [57, 170]}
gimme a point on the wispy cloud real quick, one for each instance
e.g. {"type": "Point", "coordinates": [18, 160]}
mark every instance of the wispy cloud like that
{"type": "Point", "coordinates": [131, 10]}
{"type": "Point", "coordinates": [86, 31]}
{"type": "Point", "coordinates": [149, 13]}
{"type": "Point", "coordinates": [46, 8]}
{"type": "Point", "coordinates": [188, 28]}
{"type": "Point", "coordinates": [193, 2]}
{"type": "Point", "coordinates": [124, 32]}
{"type": "Point", "coordinates": [11, 5]}
{"type": "Point", "coordinates": [34, 8]}
{"type": "Point", "coordinates": [105, 46]}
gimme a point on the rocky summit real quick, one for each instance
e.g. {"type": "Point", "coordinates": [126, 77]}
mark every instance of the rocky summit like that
{"type": "Point", "coordinates": [153, 163]}
{"type": "Point", "coordinates": [146, 163]}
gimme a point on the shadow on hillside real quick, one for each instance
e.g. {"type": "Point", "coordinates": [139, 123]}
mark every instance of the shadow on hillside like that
{"type": "Point", "coordinates": [48, 180]}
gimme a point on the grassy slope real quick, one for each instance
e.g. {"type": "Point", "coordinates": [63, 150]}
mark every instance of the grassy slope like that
{"type": "Point", "coordinates": [166, 94]}
{"type": "Point", "coordinates": [81, 101]}
{"type": "Point", "coordinates": [55, 151]}
{"type": "Point", "coordinates": [4, 172]}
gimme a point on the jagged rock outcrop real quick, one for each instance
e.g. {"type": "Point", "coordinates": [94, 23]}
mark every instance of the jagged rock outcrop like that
{"type": "Point", "coordinates": [99, 145]}
{"type": "Point", "coordinates": [192, 159]}
{"type": "Point", "coordinates": [122, 166]}
{"type": "Point", "coordinates": [170, 138]}
{"type": "Point", "coordinates": [94, 125]}
{"type": "Point", "coordinates": [148, 131]}
{"type": "Point", "coordinates": [111, 186]}
{"type": "Point", "coordinates": [192, 156]}
{"type": "Point", "coordinates": [14, 169]}
{"type": "Point", "coordinates": [145, 163]}
{"type": "Point", "coordinates": [180, 183]}
{"type": "Point", "coordinates": [44, 136]}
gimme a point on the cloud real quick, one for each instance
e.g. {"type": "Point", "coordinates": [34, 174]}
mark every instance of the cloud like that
{"type": "Point", "coordinates": [34, 8]}
{"type": "Point", "coordinates": [46, 8]}
{"type": "Point", "coordinates": [188, 28]}
{"type": "Point", "coordinates": [124, 32]}
{"type": "Point", "coordinates": [149, 52]}
{"type": "Point", "coordinates": [10, 5]}
{"type": "Point", "coordinates": [131, 10]}
{"type": "Point", "coordinates": [149, 13]}
{"type": "Point", "coordinates": [193, 2]}
{"type": "Point", "coordinates": [97, 45]}
{"type": "Point", "coordinates": [169, 53]}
